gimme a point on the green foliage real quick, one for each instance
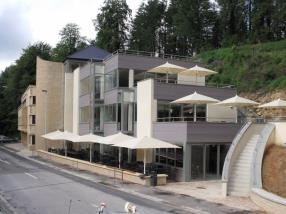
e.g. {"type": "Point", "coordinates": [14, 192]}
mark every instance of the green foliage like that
{"type": "Point", "coordinates": [71, 41]}
{"type": "Point", "coordinates": [249, 67]}
{"type": "Point", "coordinates": [148, 27]}
{"type": "Point", "coordinates": [112, 25]}
{"type": "Point", "coordinates": [14, 81]}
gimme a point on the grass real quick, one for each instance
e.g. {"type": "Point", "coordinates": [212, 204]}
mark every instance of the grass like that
{"type": "Point", "coordinates": [249, 67]}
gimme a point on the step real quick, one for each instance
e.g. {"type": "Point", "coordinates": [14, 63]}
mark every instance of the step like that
{"type": "Point", "coordinates": [241, 165]}
{"type": "Point", "coordinates": [240, 180]}
{"type": "Point", "coordinates": [239, 187]}
{"type": "Point", "coordinates": [239, 194]}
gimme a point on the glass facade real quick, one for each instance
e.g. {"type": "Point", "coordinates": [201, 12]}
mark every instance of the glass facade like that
{"type": "Point", "coordinates": [85, 86]}
{"type": "Point", "coordinates": [169, 157]}
{"type": "Point", "coordinates": [167, 112]}
{"type": "Point", "coordinates": [110, 113]}
{"type": "Point", "coordinates": [110, 80]}
{"type": "Point", "coordinates": [84, 114]}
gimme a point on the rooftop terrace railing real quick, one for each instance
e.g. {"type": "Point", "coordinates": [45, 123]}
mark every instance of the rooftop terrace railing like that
{"type": "Point", "coordinates": [149, 54]}
{"type": "Point", "coordinates": [175, 81]}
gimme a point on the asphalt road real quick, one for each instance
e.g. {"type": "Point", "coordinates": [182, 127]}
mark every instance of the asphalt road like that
{"type": "Point", "coordinates": [35, 189]}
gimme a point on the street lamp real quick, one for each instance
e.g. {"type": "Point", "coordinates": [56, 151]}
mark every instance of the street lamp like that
{"type": "Point", "coordinates": [46, 107]}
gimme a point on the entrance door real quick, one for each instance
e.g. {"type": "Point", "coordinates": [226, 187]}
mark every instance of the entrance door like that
{"type": "Point", "coordinates": [211, 161]}
{"type": "Point", "coordinates": [197, 161]}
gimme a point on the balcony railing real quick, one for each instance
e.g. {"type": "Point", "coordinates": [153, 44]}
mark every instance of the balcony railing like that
{"type": "Point", "coordinates": [198, 119]}
{"type": "Point", "coordinates": [149, 54]}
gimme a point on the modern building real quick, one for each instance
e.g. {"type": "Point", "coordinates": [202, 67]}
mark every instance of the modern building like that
{"type": "Point", "coordinates": [27, 117]}
{"type": "Point", "coordinates": [115, 93]}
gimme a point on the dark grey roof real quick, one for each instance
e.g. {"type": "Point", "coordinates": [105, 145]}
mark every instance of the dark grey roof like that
{"type": "Point", "coordinates": [88, 53]}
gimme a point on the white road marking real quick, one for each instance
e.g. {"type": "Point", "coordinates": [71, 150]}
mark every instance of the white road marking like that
{"type": "Point", "coordinates": [4, 161]}
{"type": "Point", "coordinates": [31, 175]}
{"type": "Point", "coordinates": [94, 205]}
{"type": "Point", "coordinates": [194, 210]}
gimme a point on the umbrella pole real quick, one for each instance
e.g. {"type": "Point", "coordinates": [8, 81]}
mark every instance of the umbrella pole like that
{"type": "Point", "coordinates": [65, 145]}
{"type": "Point", "coordinates": [144, 161]}
{"type": "Point", "coordinates": [195, 113]}
{"type": "Point", "coordinates": [119, 157]}
{"type": "Point", "coordinates": [167, 77]}
{"type": "Point", "coordinates": [90, 157]}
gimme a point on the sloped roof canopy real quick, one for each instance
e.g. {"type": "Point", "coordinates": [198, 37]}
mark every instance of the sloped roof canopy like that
{"type": "Point", "coordinates": [274, 104]}
{"type": "Point", "coordinates": [58, 135]}
{"type": "Point", "coordinates": [88, 53]}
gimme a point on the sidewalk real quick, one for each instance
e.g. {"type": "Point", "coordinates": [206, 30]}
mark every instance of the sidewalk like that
{"type": "Point", "coordinates": [186, 194]}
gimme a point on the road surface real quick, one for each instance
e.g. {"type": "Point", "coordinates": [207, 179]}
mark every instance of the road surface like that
{"type": "Point", "coordinates": [33, 188]}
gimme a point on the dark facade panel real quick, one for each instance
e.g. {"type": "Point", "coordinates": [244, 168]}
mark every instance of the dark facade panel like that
{"type": "Point", "coordinates": [146, 63]}
{"type": "Point", "coordinates": [168, 91]}
{"type": "Point", "coordinates": [211, 132]}
{"type": "Point", "coordinates": [171, 132]}
{"type": "Point", "coordinates": [187, 132]}
{"type": "Point", "coordinates": [111, 64]}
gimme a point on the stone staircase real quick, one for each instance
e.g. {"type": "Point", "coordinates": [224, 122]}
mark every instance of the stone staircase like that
{"type": "Point", "coordinates": [239, 182]}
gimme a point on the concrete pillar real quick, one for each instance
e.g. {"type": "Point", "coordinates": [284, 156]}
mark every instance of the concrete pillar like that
{"type": "Point", "coordinates": [131, 78]}
{"type": "Point", "coordinates": [187, 162]}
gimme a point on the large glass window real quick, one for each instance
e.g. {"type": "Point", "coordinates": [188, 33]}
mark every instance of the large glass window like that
{"type": "Point", "coordinates": [188, 112]}
{"type": "Point", "coordinates": [84, 114]}
{"type": "Point", "coordinates": [211, 161]}
{"type": "Point", "coordinates": [123, 78]}
{"type": "Point", "coordinates": [110, 80]}
{"type": "Point", "coordinates": [98, 118]}
{"type": "Point", "coordinates": [110, 113]}
{"type": "Point", "coordinates": [98, 87]}
{"type": "Point", "coordinates": [163, 112]}
{"type": "Point", "coordinates": [201, 112]}
{"type": "Point", "coordinates": [170, 157]}
{"type": "Point", "coordinates": [197, 159]}
{"type": "Point", "coordinates": [84, 86]}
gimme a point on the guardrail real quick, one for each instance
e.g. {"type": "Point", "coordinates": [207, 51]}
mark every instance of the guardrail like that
{"type": "Point", "coordinates": [199, 119]}
{"type": "Point", "coordinates": [112, 172]}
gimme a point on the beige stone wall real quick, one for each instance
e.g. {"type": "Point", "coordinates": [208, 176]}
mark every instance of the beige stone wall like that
{"type": "Point", "coordinates": [50, 77]}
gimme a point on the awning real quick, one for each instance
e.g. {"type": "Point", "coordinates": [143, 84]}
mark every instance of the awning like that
{"type": "Point", "coordinates": [274, 104]}
{"type": "Point", "coordinates": [196, 98]}
{"type": "Point", "coordinates": [115, 138]}
{"type": "Point", "coordinates": [89, 138]}
{"type": "Point", "coordinates": [198, 71]}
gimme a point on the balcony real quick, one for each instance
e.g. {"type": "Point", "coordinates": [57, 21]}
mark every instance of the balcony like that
{"type": "Point", "coordinates": [181, 132]}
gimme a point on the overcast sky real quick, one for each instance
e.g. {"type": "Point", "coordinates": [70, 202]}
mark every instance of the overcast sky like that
{"type": "Point", "coordinates": [24, 22]}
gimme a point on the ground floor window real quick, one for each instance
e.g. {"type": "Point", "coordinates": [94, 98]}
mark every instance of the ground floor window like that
{"type": "Point", "coordinates": [32, 139]}
{"type": "Point", "coordinates": [170, 157]}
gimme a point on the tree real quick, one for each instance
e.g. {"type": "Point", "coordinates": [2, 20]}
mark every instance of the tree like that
{"type": "Point", "coordinates": [71, 41]}
{"type": "Point", "coordinates": [233, 17]}
{"type": "Point", "coordinates": [148, 27]}
{"type": "Point", "coordinates": [112, 25]}
{"type": "Point", "coordinates": [191, 25]}
{"type": "Point", "coordinates": [16, 79]}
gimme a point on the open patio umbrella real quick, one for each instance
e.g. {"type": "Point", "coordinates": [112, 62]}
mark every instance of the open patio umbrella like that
{"type": "Point", "coordinates": [145, 143]}
{"type": "Point", "coordinates": [195, 99]}
{"type": "Point", "coordinates": [59, 135]}
{"type": "Point", "coordinates": [167, 69]}
{"type": "Point", "coordinates": [198, 72]}
{"type": "Point", "coordinates": [274, 104]}
{"type": "Point", "coordinates": [116, 138]}
{"type": "Point", "coordinates": [89, 138]}
{"type": "Point", "coordinates": [237, 101]}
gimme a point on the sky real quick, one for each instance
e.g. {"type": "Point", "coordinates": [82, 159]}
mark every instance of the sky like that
{"type": "Point", "coordinates": [24, 22]}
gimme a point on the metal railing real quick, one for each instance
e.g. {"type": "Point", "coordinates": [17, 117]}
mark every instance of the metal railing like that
{"type": "Point", "coordinates": [198, 119]}
{"type": "Point", "coordinates": [149, 54]}
{"type": "Point", "coordinates": [183, 82]}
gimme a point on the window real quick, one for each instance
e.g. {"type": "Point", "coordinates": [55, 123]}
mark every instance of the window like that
{"type": "Point", "coordinates": [188, 112]}
{"type": "Point", "coordinates": [32, 139]}
{"type": "Point", "coordinates": [163, 111]}
{"type": "Point", "coordinates": [33, 118]}
{"type": "Point", "coordinates": [123, 78]}
{"type": "Point", "coordinates": [201, 113]}
{"type": "Point", "coordinates": [84, 86]}
{"type": "Point", "coordinates": [170, 157]}
{"type": "Point", "coordinates": [85, 114]}
{"type": "Point", "coordinates": [34, 100]}
{"type": "Point", "coordinates": [110, 113]}
{"type": "Point", "coordinates": [110, 80]}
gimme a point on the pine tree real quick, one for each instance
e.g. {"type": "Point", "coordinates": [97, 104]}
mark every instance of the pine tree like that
{"type": "Point", "coordinates": [112, 25]}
